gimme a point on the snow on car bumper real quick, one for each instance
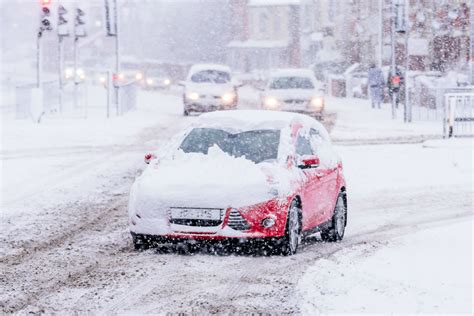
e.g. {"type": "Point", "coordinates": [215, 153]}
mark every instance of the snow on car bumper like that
{"type": "Point", "coordinates": [253, 216]}
{"type": "Point", "coordinates": [206, 106]}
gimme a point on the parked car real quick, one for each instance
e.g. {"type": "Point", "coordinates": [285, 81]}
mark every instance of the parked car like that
{"type": "Point", "coordinates": [242, 175]}
{"type": "Point", "coordinates": [209, 87]}
{"type": "Point", "coordinates": [294, 90]}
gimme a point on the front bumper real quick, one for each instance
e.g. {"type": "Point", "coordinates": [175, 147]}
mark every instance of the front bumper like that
{"type": "Point", "coordinates": [208, 104]}
{"type": "Point", "coordinates": [300, 107]}
{"type": "Point", "coordinates": [253, 216]}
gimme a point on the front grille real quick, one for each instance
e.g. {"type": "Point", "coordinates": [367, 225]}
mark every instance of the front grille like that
{"type": "Point", "coordinates": [196, 222]}
{"type": "Point", "coordinates": [236, 221]}
{"type": "Point", "coordinates": [295, 101]}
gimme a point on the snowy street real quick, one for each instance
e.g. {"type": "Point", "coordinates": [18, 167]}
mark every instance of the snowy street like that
{"type": "Point", "coordinates": [66, 247]}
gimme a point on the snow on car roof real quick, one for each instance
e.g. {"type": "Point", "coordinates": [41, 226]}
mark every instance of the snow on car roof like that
{"type": "Point", "coordinates": [200, 67]}
{"type": "Point", "coordinates": [293, 72]}
{"type": "Point", "coordinates": [245, 120]}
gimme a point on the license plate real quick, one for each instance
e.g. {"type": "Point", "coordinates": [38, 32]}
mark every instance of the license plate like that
{"type": "Point", "coordinates": [189, 213]}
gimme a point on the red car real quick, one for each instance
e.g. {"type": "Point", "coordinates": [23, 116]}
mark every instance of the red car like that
{"type": "Point", "coordinates": [242, 175]}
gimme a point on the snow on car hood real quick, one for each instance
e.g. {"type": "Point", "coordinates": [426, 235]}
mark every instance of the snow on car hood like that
{"type": "Point", "coordinates": [209, 88]}
{"type": "Point", "coordinates": [287, 94]}
{"type": "Point", "coordinates": [213, 180]}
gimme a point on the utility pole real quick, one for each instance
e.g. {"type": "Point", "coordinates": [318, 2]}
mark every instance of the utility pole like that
{"type": "Point", "coordinates": [112, 27]}
{"type": "Point", "coordinates": [380, 35]}
{"type": "Point", "coordinates": [79, 31]}
{"type": "Point", "coordinates": [407, 107]}
{"type": "Point", "coordinates": [117, 59]}
{"type": "Point", "coordinates": [45, 25]}
{"type": "Point", "coordinates": [62, 32]}
{"type": "Point", "coordinates": [393, 65]}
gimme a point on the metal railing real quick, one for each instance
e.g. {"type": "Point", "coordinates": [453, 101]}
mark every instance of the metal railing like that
{"type": "Point", "coordinates": [458, 114]}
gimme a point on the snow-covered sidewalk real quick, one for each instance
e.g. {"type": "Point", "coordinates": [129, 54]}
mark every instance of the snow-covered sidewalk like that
{"type": "Point", "coordinates": [358, 122]}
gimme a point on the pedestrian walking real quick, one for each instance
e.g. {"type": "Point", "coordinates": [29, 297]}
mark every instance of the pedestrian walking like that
{"type": "Point", "coordinates": [376, 84]}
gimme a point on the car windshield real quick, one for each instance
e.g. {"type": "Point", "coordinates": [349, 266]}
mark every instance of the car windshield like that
{"type": "Point", "coordinates": [257, 145]}
{"type": "Point", "coordinates": [291, 83]}
{"type": "Point", "coordinates": [211, 76]}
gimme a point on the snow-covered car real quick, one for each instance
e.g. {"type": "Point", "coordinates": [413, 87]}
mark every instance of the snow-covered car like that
{"type": "Point", "coordinates": [209, 87]}
{"type": "Point", "coordinates": [294, 90]}
{"type": "Point", "coordinates": [156, 82]}
{"type": "Point", "coordinates": [242, 175]}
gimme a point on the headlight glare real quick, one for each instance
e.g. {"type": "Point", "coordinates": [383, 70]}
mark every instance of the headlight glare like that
{"type": "Point", "coordinates": [271, 103]}
{"type": "Point", "coordinates": [228, 97]}
{"type": "Point", "coordinates": [193, 96]}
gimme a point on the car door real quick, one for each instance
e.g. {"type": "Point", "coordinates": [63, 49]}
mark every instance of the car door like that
{"type": "Point", "coordinates": [326, 174]}
{"type": "Point", "coordinates": [311, 184]}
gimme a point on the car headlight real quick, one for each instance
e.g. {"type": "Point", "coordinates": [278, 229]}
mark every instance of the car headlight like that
{"type": "Point", "coordinates": [271, 103]}
{"type": "Point", "coordinates": [166, 82]}
{"type": "Point", "coordinates": [317, 102]}
{"type": "Point", "coordinates": [193, 96]}
{"type": "Point", "coordinates": [149, 81]}
{"type": "Point", "coordinates": [228, 98]}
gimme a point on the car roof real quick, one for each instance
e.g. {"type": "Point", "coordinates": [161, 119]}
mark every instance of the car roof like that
{"type": "Point", "coordinates": [246, 120]}
{"type": "Point", "coordinates": [200, 67]}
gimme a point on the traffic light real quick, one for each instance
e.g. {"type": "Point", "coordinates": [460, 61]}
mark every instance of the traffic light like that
{"type": "Point", "coordinates": [62, 22]}
{"type": "Point", "coordinates": [45, 24]}
{"type": "Point", "coordinates": [79, 15]}
{"type": "Point", "coordinates": [79, 23]}
{"type": "Point", "coordinates": [61, 13]}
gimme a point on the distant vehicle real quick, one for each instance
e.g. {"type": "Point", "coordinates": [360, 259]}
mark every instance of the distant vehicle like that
{"type": "Point", "coordinates": [242, 175]}
{"type": "Point", "coordinates": [155, 82]}
{"type": "Point", "coordinates": [155, 79]}
{"type": "Point", "coordinates": [209, 87]}
{"type": "Point", "coordinates": [294, 90]}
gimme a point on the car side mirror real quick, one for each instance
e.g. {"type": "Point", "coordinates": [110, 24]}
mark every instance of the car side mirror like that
{"type": "Point", "coordinates": [307, 162]}
{"type": "Point", "coordinates": [149, 157]}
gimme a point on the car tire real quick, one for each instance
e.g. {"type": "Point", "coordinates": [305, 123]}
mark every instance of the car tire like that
{"type": "Point", "coordinates": [289, 243]}
{"type": "Point", "coordinates": [140, 242]}
{"type": "Point", "coordinates": [186, 113]}
{"type": "Point", "coordinates": [338, 222]}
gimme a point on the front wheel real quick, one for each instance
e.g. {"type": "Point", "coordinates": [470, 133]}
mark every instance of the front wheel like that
{"type": "Point", "coordinates": [140, 242]}
{"type": "Point", "coordinates": [338, 222]}
{"type": "Point", "coordinates": [289, 244]}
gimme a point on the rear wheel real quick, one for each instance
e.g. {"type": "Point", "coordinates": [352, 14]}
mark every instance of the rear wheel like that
{"type": "Point", "coordinates": [338, 222]}
{"type": "Point", "coordinates": [186, 112]}
{"type": "Point", "coordinates": [289, 244]}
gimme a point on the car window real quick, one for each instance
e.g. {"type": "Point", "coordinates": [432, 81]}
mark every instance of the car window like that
{"type": "Point", "coordinates": [303, 146]}
{"type": "Point", "coordinates": [323, 149]}
{"type": "Point", "coordinates": [291, 83]}
{"type": "Point", "coordinates": [257, 145]}
{"type": "Point", "coordinates": [211, 76]}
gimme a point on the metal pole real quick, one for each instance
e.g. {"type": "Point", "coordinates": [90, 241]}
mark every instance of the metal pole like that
{"type": "Point", "coordinates": [117, 59]}
{"type": "Point", "coordinates": [392, 36]}
{"type": "Point", "coordinates": [61, 71]}
{"type": "Point", "coordinates": [38, 60]}
{"type": "Point", "coordinates": [407, 107]}
{"type": "Point", "coordinates": [109, 84]}
{"type": "Point", "coordinates": [75, 61]}
{"type": "Point", "coordinates": [380, 48]}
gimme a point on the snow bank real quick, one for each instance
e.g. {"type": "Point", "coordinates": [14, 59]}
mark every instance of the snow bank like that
{"type": "Point", "coordinates": [424, 272]}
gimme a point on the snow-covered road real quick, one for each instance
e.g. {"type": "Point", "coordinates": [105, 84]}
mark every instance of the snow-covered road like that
{"type": "Point", "coordinates": [66, 247]}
